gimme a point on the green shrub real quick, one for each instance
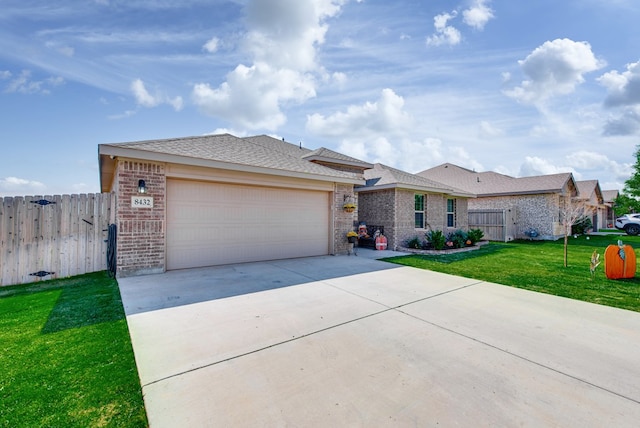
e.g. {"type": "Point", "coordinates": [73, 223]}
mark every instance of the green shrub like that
{"type": "Point", "coordinates": [475, 235]}
{"type": "Point", "coordinates": [415, 243]}
{"type": "Point", "coordinates": [581, 226]}
{"type": "Point", "coordinates": [459, 238]}
{"type": "Point", "coordinates": [436, 238]}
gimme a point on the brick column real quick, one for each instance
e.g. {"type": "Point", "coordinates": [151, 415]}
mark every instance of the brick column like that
{"type": "Point", "coordinates": [141, 231]}
{"type": "Point", "coordinates": [343, 221]}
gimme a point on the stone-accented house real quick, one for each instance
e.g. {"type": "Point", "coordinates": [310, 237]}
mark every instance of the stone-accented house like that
{"type": "Point", "coordinates": [532, 201]}
{"type": "Point", "coordinates": [408, 205]}
{"type": "Point", "coordinates": [609, 197]}
{"type": "Point", "coordinates": [221, 199]}
{"type": "Point", "coordinates": [589, 192]}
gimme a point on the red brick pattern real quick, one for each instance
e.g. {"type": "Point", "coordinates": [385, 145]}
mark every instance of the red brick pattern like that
{"type": "Point", "coordinates": [343, 221]}
{"type": "Point", "coordinates": [141, 231]}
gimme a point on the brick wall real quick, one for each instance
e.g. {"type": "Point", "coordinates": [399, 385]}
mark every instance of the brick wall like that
{"type": "Point", "coordinates": [436, 212]}
{"type": "Point", "coordinates": [539, 212]}
{"type": "Point", "coordinates": [405, 227]}
{"type": "Point", "coordinates": [379, 208]}
{"type": "Point", "coordinates": [141, 231]}
{"type": "Point", "coordinates": [394, 209]}
{"type": "Point", "coordinates": [343, 221]}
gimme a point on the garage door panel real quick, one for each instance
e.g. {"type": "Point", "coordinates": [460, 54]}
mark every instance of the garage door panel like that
{"type": "Point", "coordinates": [213, 223]}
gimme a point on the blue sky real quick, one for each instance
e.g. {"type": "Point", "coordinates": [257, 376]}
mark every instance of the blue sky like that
{"type": "Point", "coordinates": [513, 86]}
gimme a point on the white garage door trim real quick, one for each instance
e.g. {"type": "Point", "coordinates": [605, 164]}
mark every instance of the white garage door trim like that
{"type": "Point", "coordinates": [212, 224]}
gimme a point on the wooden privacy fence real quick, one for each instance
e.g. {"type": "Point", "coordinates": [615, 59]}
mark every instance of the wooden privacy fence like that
{"type": "Point", "coordinates": [53, 236]}
{"type": "Point", "coordinates": [497, 224]}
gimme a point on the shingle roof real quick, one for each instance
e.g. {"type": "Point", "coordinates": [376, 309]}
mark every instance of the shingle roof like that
{"type": "Point", "coordinates": [609, 195]}
{"type": "Point", "coordinates": [587, 188]}
{"type": "Point", "coordinates": [329, 155]}
{"type": "Point", "coordinates": [259, 151]}
{"type": "Point", "coordinates": [493, 184]}
{"type": "Point", "coordinates": [385, 176]}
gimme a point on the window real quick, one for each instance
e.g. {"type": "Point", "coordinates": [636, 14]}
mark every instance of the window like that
{"type": "Point", "coordinates": [419, 211]}
{"type": "Point", "coordinates": [451, 213]}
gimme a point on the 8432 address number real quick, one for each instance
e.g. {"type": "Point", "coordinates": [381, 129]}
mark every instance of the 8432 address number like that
{"type": "Point", "coordinates": [142, 201]}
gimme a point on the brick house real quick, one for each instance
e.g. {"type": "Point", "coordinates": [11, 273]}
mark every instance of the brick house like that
{"type": "Point", "coordinates": [609, 197]}
{"type": "Point", "coordinates": [533, 202]}
{"type": "Point", "coordinates": [589, 192]}
{"type": "Point", "coordinates": [408, 205]}
{"type": "Point", "coordinates": [219, 199]}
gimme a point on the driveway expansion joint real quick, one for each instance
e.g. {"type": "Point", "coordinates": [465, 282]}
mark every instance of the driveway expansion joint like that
{"type": "Point", "coordinates": [513, 354]}
{"type": "Point", "coordinates": [244, 354]}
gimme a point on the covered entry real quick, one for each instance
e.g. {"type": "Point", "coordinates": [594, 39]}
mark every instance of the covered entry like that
{"type": "Point", "coordinates": [219, 223]}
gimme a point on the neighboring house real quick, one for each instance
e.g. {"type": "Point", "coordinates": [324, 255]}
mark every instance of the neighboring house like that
{"type": "Point", "coordinates": [408, 205]}
{"type": "Point", "coordinates": [532, 202]}
{"type": "Point", "coordinates": [221, 199]}
{"type": "Point", "coordinates": [609, 197]}
{"type": "Point", "coordinates": [589, 192]}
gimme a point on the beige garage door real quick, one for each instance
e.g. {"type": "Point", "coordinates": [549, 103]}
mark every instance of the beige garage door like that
{"type": "Point", "coordinates": [212, 224]}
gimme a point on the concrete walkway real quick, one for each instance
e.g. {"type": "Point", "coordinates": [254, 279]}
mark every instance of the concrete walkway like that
{"type": "Point", "coordinates": [352, 341]}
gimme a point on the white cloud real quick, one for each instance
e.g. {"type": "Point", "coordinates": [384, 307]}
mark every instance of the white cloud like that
{"type": "Point", "coordinates": [5, 74]}
{"type": "Point", "coordinates": [487, 130]}
{"type": "Point", "coordinates": [382, 131]}
{"type": "Point", "coordinates": [282, 39]}
{"type": "Point", "coordinates": [285, 33]}
{"type": "Point", "coordinates": [143, 97]}
{"type": "Point", "coordinates": [445, 34]}
{"type": "Point", "coordinates": [534, 165]}
{"type": "Point", "coordinates": [598, 162]}
{"type": "Point", "coordinates": [624, 93]}
{"type": "Point", "coordinates": [623, 88]}
{"type": "Point", "coordinates": [126, 114]}
{"type": "Point", "coordinates": [62, 49]}
{"type": "Point", "coordinates": [583, 159]}
{"type": "Point", "coordinates": [233, 132]}
{"type": "Point", "coordinates": [626, 124]}
{"type": "Point", "coordinates": [555, 68]}
{"type": "Point", "coordinates": [146, 99]}
{"type": "Point", "coordinates": [339, 78]}
{"type": "Point", "coordinates": [475, 16]}
{"type": "Point", "coordinates": [251, 96]}
{"type": "Point", "coordinates": [24, 84]}
{"type": "Point", "coordinates": [10, 186]}
{"type": "Point", "coordinates": [212, 45]}
{"type": "Point", "coordinates": [478, 15]}
{"type": "Point", "coordinates": [385, 116]}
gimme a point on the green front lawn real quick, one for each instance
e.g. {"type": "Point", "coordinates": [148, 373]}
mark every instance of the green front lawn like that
{"type": "Point", "coordinates": [65, 356]}
{"type": "Point", "coordinates": [538, 266]}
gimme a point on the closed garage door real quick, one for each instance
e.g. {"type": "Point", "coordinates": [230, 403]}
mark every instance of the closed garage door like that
{"type": "Point", "coordinates": [212, 223]}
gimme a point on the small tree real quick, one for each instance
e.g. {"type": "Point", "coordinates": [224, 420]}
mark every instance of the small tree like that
{"type": "Point", "coordinates": [628, 201]}
{"type": "Point", "coordinates": [572, 211]}
{"type": "Point", "coordinates": [624, 204]}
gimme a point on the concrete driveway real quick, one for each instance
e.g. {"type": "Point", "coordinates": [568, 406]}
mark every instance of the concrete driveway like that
{"type": "Point", "coordinates": [353, 341]}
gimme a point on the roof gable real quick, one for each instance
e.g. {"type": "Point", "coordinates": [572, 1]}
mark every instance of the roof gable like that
{"type": "Point", "coordinates": [324, 155]}
{"type": "Point", "coordinates": [609, 195]}
{"type": "Point", "coordinates": [383, 176]}
{"type": "Point", "coordinates": [590, 190]}
{"type": "Point", "coordinates": [262, 154]}
{"type": "Point", "coordinates": [494, 184]}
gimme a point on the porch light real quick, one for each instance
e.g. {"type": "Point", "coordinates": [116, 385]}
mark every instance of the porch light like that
{"type": "Point", "coordinates": [142, 187]}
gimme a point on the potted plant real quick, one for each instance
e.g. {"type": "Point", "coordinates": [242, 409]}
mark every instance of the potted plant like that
{"type": "Point", "coordinates": [352, 237]}
{"type": "Point", "coordinates": [349, 207]}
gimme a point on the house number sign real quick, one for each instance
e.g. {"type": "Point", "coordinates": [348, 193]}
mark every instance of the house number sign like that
{"type": "Point", "coordinates": [142, 201]}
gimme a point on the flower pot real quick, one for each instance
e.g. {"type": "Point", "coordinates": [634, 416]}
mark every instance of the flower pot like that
{"type": "Point", "coordinates": [352, 239]}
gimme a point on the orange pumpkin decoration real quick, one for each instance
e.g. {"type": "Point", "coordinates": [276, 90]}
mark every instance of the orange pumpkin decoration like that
{"type": "Point", "coordinates": [617, 267]}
